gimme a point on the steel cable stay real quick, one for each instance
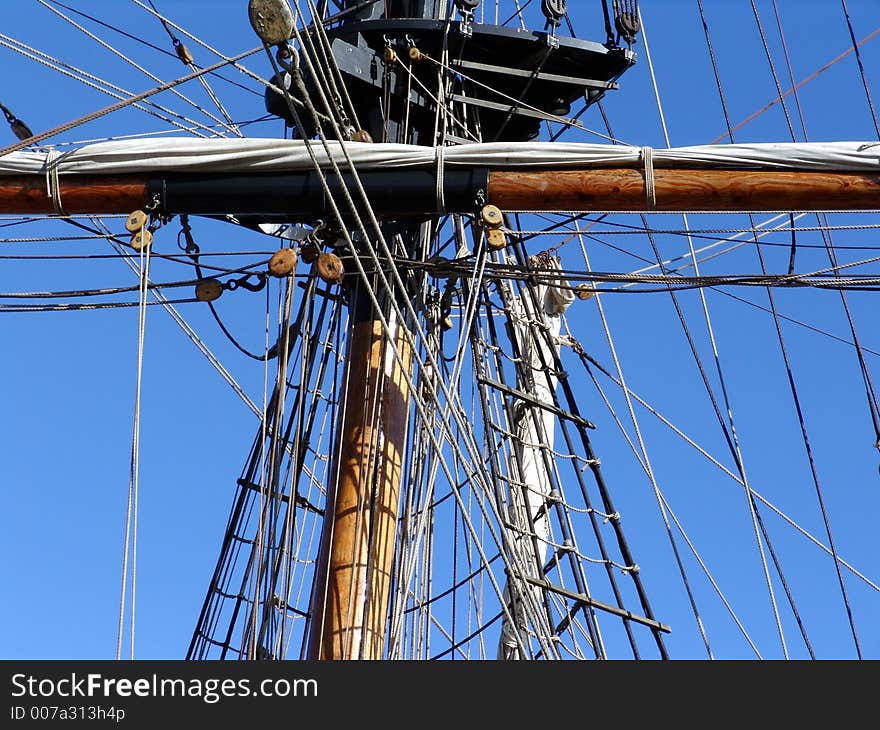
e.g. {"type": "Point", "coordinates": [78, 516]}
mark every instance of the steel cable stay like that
{"type": "Point", "coordinates": [795, 397]}
{"type": "Point", "coordinates": [144, 42]}
{"type": "Point", "coordinates": [187, 59]}
{"type": "Point", "coordinates": [666, 505]}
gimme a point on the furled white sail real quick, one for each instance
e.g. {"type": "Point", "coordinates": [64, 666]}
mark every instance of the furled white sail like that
{"type": "Point", "coordinates": [274, 155]}
{"type": "Point", "coordinates": [537, 317]}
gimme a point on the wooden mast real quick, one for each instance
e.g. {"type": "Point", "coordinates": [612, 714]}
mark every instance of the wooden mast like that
{"type": "Point", "coordinates": [684, 190]}
{"type": "Point", "coordinates": [618, 189]}
{"type": "Point", "coordinates": [354, 571]}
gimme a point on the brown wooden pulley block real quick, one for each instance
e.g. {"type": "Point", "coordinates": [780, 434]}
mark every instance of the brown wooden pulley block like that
{"type": "Point", "coordinates": [136, 221]}
{"type": "Point", "coordinates": [184, 54]}
{"type": "Point", "coordinates": [142, 239]}
{"type": "Point", "coordinates": [208, 290]}
{"type": "Point", "coordinates": [282, 263]}
{"type": "Point", "coordinates": [491, 216]}
{"type": "Point", "coordinates": [329, 267]}
{"type": "Point", "coordinates": [496, 239]}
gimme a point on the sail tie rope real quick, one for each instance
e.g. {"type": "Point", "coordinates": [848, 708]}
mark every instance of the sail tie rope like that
{"type": "Point", "coordinates": [647, 157]}
{"type": "Point", "coordinates": [53, 184]}
{"type": "Point", "coordinates": [440, 159]}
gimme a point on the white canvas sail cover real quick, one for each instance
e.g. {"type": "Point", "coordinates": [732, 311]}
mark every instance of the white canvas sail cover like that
{"type": "Point", "coordinates": [530, 480]}
{"type": "Point", "coordinates": [277, 155]}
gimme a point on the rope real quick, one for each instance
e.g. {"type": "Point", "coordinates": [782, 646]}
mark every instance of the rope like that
{"type": "Point", "coordinates": [124, 103]}
{"type": "Point", "coordinates": [228, 124]}
{"type": "Point", "coordinates": [784, 350]}
{"type": "Point", "coordinates": [731, 434]}
{"type": "Point", "coordinates": [53, 184]}
{"type": "Point", "coordinates": [587, 361]}
{"type": "Point", "coordinates": [647, 157]}
{"type": "Point", "coordinates": [97, 83]}
{"type": "Point", "coordinates": [855, 46]}
{"type": "Point", "coordinates": [131, 516]}
{"type": "Point", "coordinates": [141, 41]}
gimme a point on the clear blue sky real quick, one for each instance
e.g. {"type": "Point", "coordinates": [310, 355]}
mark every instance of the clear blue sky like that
{"type": "Point", "coordinates": [67, 379]}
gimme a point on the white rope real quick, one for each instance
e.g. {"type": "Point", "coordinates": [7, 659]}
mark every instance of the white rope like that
{"type": "Point", "coordinates": [131, 516]}
{"type": "Point", "coordinates": [53, 184]}
{"type": "Point", "coordinates": [647, 157]}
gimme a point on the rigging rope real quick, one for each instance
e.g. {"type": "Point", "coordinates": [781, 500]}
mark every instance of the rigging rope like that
{"type": "Point", "coordinates": [124, 103]}
{"type": "Point", "coordinates": [589, 362]}
{"type": "Point", "coordinates": [134, 64]}
{"type": "Point", "coordinates": [730, 435]}
{"type": "Point", "coordinates": [131, 521]}
{"type": "Point", "coordinates": [794, 392]}
{"type": "Point", "coordinates": [99, 84]}
{"type": "Point", "coordinates": [862, 73]}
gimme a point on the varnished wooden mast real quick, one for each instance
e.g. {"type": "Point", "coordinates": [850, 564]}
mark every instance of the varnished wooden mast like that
{"type": "Point", "coordinates": [80, 194]}
{"type": "Point", "coordinates": [684, 190]}
{"type": "Point", "coordinates": [616, 189]}
{"type": "Point", "coordinates": [353, 586]}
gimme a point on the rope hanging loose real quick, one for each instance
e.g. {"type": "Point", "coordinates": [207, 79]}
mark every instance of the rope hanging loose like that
{"type": "Point", "coordinates": [53, 184]}
{"type": "Point", "coordinates": [647, 157]}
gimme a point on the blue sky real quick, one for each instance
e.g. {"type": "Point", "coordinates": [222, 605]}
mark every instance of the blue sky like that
{"type": "Point", "coordinates": [68, 378]}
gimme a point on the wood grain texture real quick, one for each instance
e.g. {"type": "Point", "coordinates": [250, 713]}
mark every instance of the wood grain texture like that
{"type": "Point", "coordinates": [350, 605]}
{"type": "Point", "coordinates": [98, 194]}
{"type": "Point", "coordinates": [697, 190]}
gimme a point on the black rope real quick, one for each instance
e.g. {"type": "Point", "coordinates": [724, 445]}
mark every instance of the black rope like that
{"type": "Point", "coordinates": [175, 41]}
